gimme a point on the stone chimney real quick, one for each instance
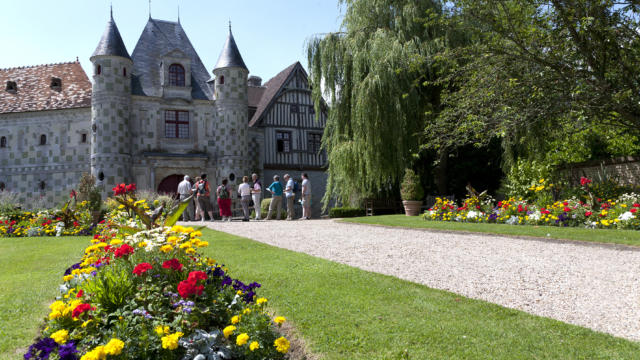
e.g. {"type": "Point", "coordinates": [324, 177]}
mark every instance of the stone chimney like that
{"type": "Point", "coordinates": [255, 81]}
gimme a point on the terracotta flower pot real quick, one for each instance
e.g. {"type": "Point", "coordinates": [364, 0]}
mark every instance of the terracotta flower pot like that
{"type": "Point", "coordinates": [412, 207]}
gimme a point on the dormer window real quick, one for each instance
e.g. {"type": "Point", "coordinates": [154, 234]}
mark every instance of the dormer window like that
{"type": "Point", "coordinates": [221, 80]}
{"type": "Point", "coordinates": [56, 83]}
{"type": "Point", "coordinates": [12, 87]}
{"type": "Point", "coordinates": [176, 75]}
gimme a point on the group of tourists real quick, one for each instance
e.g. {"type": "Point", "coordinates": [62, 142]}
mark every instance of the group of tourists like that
{"type": "Point", "coordinates": [250, 196]}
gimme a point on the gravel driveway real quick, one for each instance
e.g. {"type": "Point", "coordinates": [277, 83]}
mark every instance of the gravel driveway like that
{"type": "Point", "coordinates": [593, 286]}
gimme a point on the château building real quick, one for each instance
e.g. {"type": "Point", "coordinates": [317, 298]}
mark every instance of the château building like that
{"type": "Point", "coordinates": [154, 115]}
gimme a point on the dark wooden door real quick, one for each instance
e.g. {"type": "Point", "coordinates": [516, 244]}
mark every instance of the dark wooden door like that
{"type": "Point", "coordinates": [169, 185]}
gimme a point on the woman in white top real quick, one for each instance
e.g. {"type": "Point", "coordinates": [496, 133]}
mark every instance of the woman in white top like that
{"type": "Point", "coordinates": [245, 196]}
{"type": "Point", "coordinates": [256, 195]}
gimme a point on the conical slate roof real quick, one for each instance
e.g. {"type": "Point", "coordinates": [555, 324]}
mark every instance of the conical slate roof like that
{"type": "Point", "coordinates": [230, 55]}
{"type": "Point", "coordinates": [111, 43]}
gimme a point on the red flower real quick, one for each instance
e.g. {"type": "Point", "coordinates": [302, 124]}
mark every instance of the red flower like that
{"type": "Point", "coordinates": [130, 188]}
{"type": "Point", "coordinates": [78, 310]}
{"type": "Point", "coordinates": [142, 268]}
{"type": "Point", "coordinates": [123, 251]}
{"type": "Point", "coordinates": [636, 205]}
{"type": "Point", "coordinates": [567, 209]}
{"type": "Point", "coordinates": [189, 287]}
{"type": "Point", "coordinates": [119, 189]}
{"type": "Point", "coordinates": [172, 264]}
{"type": "Point", "coordinates": [197, 275]}
{"type": "Point", "coordinates": [75, 224]}
{"type": "Point", "coordinates": [72, 194]}
{"type": "Point", "coordinates": [633, 210]}
{"type": "Point", "coordinates": [584, 181]}
{"type": "Point", "coordinates": [565, 203]}
{"type": "Point", "coordinates": [588, 213]}
{"type": "Point", "coordinates": [520, 208]}
{"type": "Point", "coordinates": [80, 293]}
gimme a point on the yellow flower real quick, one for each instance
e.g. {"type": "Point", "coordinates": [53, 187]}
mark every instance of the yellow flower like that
{"type": "Point", "coordinates": [254, 345]}
{"type": "Point", "coordinates": [114, 347]}
{"type": "Point", "coordinates": [162, 330]}
{"type": "Point", "coordinates": [60, 336]}
{"type": "Point", "coordinates": [190, 251]}
{"type": "Point", "coordinates": [261, 301]}
{"type": "Point", "coordinates": [203, 244]}
{"type": "Point", "coordinates": [96, 354]}
{"type": "Point", "coordinates": [281, 344]}
{"type": "Point", "coordinates": [115, 242]}
{"type": "Point", "coordinates": [228, 331]}
{"type": "Point", "coordinates": [196, 234]}
{"type": "Point", "coordinates": [235, 319]}
{"type": "Point", "coordinates": [171, 341]}
{"type": "Point", "coordinates": [242, 339]}
{"type": "Point", "coordinates": [246, 311]}
{"type": "Point", "coordinates": [166, 248]}
{"type": "Point", "coordinates": [185, 246]}
{"type": "Point", "coordinates": [541, 181]}
{"type": "Point", "coordinates": [279, 320]}
{"type": "Point", "coordinates": [84, 324]}
{"type": "Point", "coordinates": [211, 261]}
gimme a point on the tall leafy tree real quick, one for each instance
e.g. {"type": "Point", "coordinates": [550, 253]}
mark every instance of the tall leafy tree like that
{"type": "Point", "coordinates": [378, 74]}
{"type": "Point", "coordinates": [541, 72]}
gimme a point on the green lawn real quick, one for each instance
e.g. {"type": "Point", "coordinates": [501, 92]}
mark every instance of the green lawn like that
{"type": "Point", "coordinates": [624, 237]}
{"type": "Point", "coordinates": [30, 271]}
{"type": "Point", "coordinates": [341, 312]}
{"type": "Point", "coordinates": [346, 313]}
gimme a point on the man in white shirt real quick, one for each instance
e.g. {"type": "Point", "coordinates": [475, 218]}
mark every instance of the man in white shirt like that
{"type": "Point", "coordinates": [256, 194]}
{"type": "Point", "coordinates": [306, 197]}
{"type": "Point", "coordinates": [288, 192]}
{"type": "Point", "coordinates": [185, 190]}
{"type": "Point", "coordinates": [245, 196]}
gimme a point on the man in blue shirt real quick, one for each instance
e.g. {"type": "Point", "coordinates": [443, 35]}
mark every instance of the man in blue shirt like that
{"type": "Point", "coordinates": [276, 200]}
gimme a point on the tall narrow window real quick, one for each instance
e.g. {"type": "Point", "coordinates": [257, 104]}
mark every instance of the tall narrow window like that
{"type": "Point", "coordinates": [3, 142]}
{"type": "Point", "coordinates": [98, 69]}
{"type": "Point", "coordinates": [124, 72]}
{"type": "Point", "coordinates": [2, 186]}
{"type": "Point", "coordinates": [43, 139]}
{"type": "Point", "coordinates": [176, 75]}
{"type": "Point", "coordinates": [283, 141]}
{"type": "Point", "coordinates": [176, 124]}
{"type": "Point", "coordinates": [221, 80]}
{"type": "Point", "coordinates": [83, 138]}
{"type": "Point", "coordinates": [314, 140]}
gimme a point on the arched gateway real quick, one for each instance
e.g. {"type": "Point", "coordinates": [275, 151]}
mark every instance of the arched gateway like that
{"type": "Point", "coordinates": [169, 185]}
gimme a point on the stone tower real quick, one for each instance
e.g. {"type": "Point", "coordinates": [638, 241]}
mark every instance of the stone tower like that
{"type": "Point", "coordinates": [231, 101]}
{"type": "Point", "coordinates": [110, 110]}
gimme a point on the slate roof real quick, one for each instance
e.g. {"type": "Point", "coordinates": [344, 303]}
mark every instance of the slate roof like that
{"type": "Point", "coordinates": [158, 38]}
{"type": "Point", "coordinates": [111, 42]}
{"type": "Point", "coordinates": [230, 55]}
{"type": "Point", "coordinates": [34, 92]}
{"type": "Point", "coordinates": [273, 87]}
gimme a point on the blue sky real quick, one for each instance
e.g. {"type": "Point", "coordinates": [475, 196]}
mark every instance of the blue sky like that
{"type": "Point", "coordinates": [270, 34]}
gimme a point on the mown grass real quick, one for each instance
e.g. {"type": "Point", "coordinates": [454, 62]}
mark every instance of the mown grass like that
{"type": "Point", "coordinates": [30, 271]}
{"type": "Point", "coordinates": [340, 311]}
{"type": "Point", "coordinates": [608, 236]}
{"type": "Point", "coordinates": [346, 313]}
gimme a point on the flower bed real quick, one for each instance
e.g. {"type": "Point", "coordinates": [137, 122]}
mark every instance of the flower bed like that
{"type": "Point", "coordinates": [47, 222]}
{"type": "Point", "coordinates": [620, 213]}
{"type": "Point", "coordinates": [146, 293]}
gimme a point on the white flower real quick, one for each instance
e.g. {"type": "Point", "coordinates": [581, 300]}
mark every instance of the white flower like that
{"type": "Point", "coordinates": [512, 220]}
{"type": "Point", "coordinates": [535, 216]}
{"type": "Point", "coordinates": [472, 214]}
{"type": "Point", "coordinates": [626, 216]}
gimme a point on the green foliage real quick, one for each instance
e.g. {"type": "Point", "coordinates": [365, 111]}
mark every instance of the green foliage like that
{"type": "Point", "coordinates": [88, 191]}
{"type": "Point", "coordinates": [111, 287]}
{"type": "Point", "coordinates": [345, 212]}
{"type": "Point", "coordinates": [411, 189]}
{"type": "Point", "coordinates": [264, 210]}
{"type": "Point", "coordinates": [377, 73]}
{"type": "Point", "coordinates": [523, 175]}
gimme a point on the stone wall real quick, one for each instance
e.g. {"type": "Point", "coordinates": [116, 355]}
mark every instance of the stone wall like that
{"type": "Point", "coordinates": [318, 181]}
{"type": "Point", "coordinates": [26, 166]}
{"type": "Point", "coordinates": [625, 169]}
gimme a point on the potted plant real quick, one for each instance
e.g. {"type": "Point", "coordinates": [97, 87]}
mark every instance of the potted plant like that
{"type": "Point", "coordinates": [411, 193]}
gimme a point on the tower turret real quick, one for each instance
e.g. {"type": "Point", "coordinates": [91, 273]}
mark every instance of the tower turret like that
{"type": "Point", "coordinates": [110, 109]}
{"type": "Point", "coordinates": [232, 106]}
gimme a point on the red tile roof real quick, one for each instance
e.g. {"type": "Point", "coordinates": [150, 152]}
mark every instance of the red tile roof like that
{"type": "Point", "coordinates": [34, 92]}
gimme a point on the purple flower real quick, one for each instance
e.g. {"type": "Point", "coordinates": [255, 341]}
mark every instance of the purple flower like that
{"type": "Point", "coordinates": [226, 281]}
{"type": "Point", "coordinates": [68, 351]}
{"type": "Point", "coordinates": [218, 272]}
{"type": "Point", "coordinates": [44, 347]}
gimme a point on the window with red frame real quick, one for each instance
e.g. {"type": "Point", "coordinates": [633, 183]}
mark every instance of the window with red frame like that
{"type": "Point", "coordinates": [176, 124]}
{"type": "Point", "coordinates": [176, 75]}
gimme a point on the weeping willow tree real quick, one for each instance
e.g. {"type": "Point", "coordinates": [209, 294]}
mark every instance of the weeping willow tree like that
{"type": "Point", "coordinates": [377, 75]}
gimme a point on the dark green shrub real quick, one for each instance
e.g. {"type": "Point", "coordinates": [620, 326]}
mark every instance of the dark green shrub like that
{"type": "Point", "coordinates": [344, 212]}
{"type": "Point", "coordinates": [410, 188]}
{"type": "Point", "coordinates": [264, 209]}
